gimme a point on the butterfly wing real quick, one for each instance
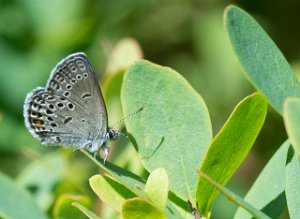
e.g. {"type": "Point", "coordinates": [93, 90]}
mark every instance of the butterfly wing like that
{"type": "Point", "coordinates": [70, 110]}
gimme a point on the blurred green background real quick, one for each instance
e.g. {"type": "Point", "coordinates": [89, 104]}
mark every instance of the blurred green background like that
{"type": "Point", "coordinates": [185, 35]}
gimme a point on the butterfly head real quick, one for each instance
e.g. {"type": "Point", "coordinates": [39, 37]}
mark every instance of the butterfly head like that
{"type": "Point", "coordinates": [113, 134]}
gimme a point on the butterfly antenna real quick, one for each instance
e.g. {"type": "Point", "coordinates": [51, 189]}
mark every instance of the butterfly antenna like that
{"type": "Point", "coordinates": [126, 117]}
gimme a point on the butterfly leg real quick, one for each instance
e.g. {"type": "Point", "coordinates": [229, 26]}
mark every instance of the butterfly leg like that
{"type": "Point", "coordinates": [95, 155]}
{"type": "Point", "coordinates": [76, 148]}
{"type": "Point", "coordinates": [106, 152]}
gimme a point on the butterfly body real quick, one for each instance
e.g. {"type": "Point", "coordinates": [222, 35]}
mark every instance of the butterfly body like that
{"type": "Point", "coordinates": [70, 110]}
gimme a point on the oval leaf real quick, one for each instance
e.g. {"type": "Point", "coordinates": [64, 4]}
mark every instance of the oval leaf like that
{"type": "Point", "coordinates": [157, 188]}
{"type": "Point", "coordinates": [291, 115]}
{"type": "Point", "coordinates": [138, 208]}
{"type": "Point", "coordinates": [293, 184]}
{"type": "Point", "coordinates": [267, 193]}
{"type": "Point", "coordinates": [173, 130]}
{"type": "Point", "coordinates": [16, 203]}
{"type": "Point", "coordinates": [262, 61]}
{"type": "Point", "coordinates": [110, 191]}
{"type": "Point", "coordinates": [230, 147]}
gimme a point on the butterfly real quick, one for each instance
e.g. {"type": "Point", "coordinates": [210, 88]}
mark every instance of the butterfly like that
{"type": "Point", "coordinates": [70, 110]}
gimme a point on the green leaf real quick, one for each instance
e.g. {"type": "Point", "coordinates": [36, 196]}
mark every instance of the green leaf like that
{"type": "Point", "coordinates": [120, 174]}
{"type": "Point", "coordinates": [293, 184]}
{"type": "Point", "coordinates": [131, 180]}
{"type": "Point", "coordinates": [138, 208]}
{"type": "Point", "coordinates": [264, 64]}
{"type": "Point", "coordinates": [86, 211]}
{"type": "Point", "coordinates": [230, 147]}
{"type": "Point", "coordinates": [63, 207]}
{"type": "Point", "coordinates": [267, 193]}
{"type": "Point", "coordinates": [110, 191]}
{"type": "Point", "coordinates": [291, 115]}
{"type": "Point", "coordinates": [16, 203]}
{"type": "Point", "coordinates": [173, 130]}
{"type": "Point", "coordinates": [236, 199]}
{"type": "Point", "coordinates": [157, 188]}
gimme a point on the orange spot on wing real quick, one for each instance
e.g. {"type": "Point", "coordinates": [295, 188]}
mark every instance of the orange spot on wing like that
{"type": "Point", "coordinates": [38, 123]}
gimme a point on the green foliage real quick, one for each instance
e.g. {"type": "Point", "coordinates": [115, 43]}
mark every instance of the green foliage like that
{"type": "Point", "coordinates": [292, 183]}
{"type": "Point", "coordinates": [138, 208]}
{"type": "Point", "coordinates": [291, 117]}
{"type": "Point", "coordinates": [180, 133]}
{"type": "Point", "coordinates": [110, 191]}
{"type": "Point", "coordinates": [63, 207]}
{"type": "Point", "coordinates": [157, 188]}
{"type": "Point", "coordinates": [262, 61]}
{"type": "Point", "coordinates": [236, 199]}
{"type": "Point", "coordinates": [86, 211]}
{"type": "Point", "coordinates": [267, 192]}
{"type": "Point", "coordinates": [176, 168]}
{"type": "Point", "coordinates": [230, 147]}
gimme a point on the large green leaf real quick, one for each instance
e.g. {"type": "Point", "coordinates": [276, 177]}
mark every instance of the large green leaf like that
{"type": "Point", "coordinates": [293, 184]}
{"type": "Point", "coordinates": [138, 208]}
{"type": "Point", "coordinates": [173, 131]}
{"type": "Point", "coordinates": [267, 193]}
{"type": "Point", "coordinates": [15, 203]}
{"type": "Point", "coordinates": [262, 61]}
{"type": "Point", "coordinates": [291, 115]}
{"type": "Point", "coordinates": [230, 147]}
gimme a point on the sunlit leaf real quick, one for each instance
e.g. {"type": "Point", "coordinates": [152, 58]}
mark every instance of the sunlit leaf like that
{"type": "Point", "coordinates": [261, 59]}
{"type": "Point", "coordinates": [230, 147]}
{"type": "Point", "coordinates": [173, 130]}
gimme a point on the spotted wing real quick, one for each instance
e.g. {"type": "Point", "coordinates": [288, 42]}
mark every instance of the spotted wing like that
{"type": "Point", "coordinates": [70, 110]}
